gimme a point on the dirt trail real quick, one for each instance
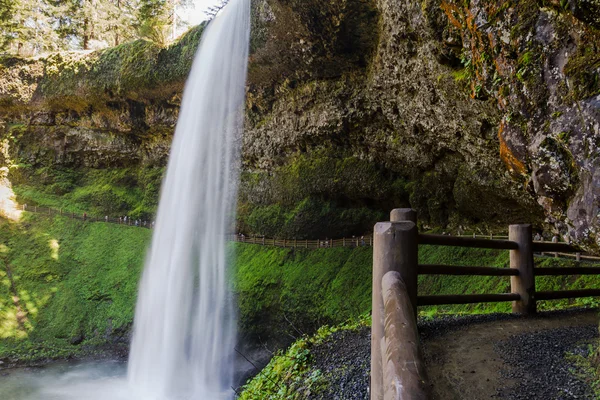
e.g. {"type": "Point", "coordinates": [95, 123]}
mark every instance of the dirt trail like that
{"type": "Point", "coordinates": [467, 359]}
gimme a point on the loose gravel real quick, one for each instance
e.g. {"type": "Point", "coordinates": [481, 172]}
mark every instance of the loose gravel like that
{"type": "Point", "coordinates": [542, 371]}
{"type": "Point", "coordinates": [535, 363]}
{"type": "Point", "coordinates": [344, 359]}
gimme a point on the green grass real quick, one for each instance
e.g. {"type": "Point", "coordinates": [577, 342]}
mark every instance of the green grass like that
{"type": "Point", "coordinates": [77, 280]}
{"type": "Point", "coordinates": [73, 279]}
{"type": "Point", "coordinates": [126, 191]}
{"type": "Point", "coordinates": [283, 290]}
{"type": "Point", "coordinates": [288, 375]}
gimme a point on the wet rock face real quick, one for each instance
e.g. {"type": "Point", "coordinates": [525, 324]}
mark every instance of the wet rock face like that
{"type": "Point", "coordinates": [541, 67]}
{"type": "Point", "coordinates": [475, 113]}
{"type": "Point", "coordinates": [489, 100]}
{"type": "Point", "coordinates": [404, 112]}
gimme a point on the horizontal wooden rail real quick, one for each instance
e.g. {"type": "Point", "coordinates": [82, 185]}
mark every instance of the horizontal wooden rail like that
{"type": "Point", "coordinates": [578, 256]}
{"type": "Point", "coordinates": [549, 247]}
{"type": "Point", "coordinates": [427, 269]}
{"type": "Point", "coordinates": [555, 271]}
{"type": "Point", "coordinates": [443, 240]}
{"type": "Point", "coordinates": [404, 374]}
{"type": "Point", "coordinates": [567, 294]}
{"type": "Point", "coordinates": [466, 299]}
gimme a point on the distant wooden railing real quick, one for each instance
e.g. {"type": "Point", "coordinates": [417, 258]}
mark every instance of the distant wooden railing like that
{"type": "Point", "coordinates": [397, 370]}
{"type": "Point", "coordinates": [140, 223]}
{"type": "Point", "coordinates": [305, 243]}
{"type": "Point", "coordinates": [260, 240]}
{"type": "Point", "coordinates": [363, 241]}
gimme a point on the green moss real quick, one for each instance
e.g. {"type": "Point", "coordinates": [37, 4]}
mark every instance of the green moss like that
{"type": "Point", "coordinates": [316, 194]}
{"type": "Point", "coordinates": [555, 154]}
{"type": "Point", "coordinates": [131, 70]}
{"type": "Point", "coordinates": [288, 375]}
{"type": "Point", "coordinates": [73, 280]}
{"type": "Point", "coordinates": [127, 191]}
{"type": "Point", "coordinates": [79, 280]}
{"type": "Point", "coordinates": [286, 289]}
{"type": "Point", "coordinates": [583, 71]}
{"type": "Point", "coordinates": [310, 218]}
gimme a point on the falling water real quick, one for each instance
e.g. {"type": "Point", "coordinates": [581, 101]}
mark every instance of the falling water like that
{"type": "Point", "coordinates": [184, 326]}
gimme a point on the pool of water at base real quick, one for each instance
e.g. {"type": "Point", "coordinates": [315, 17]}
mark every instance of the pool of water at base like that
{"type": "Point", "coordinates": [67, 381]}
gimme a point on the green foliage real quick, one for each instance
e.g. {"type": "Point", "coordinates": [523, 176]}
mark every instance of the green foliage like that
{"type": "Point", "coordinates": [310, 218]}
{"type": "Point", "coordinates": [128, 191]}
{"type": "Point", "coordinates": [154, 20]}
{"type": "Point", "coordinates": [288, 374]}
{"type": "Point", "coordinates": [526, 65]}
{"type": "Point", "coordinates": [37, 26]}
{"type": "Point", "coordinates": [7, 9]}
{"type": "Point", "coordinates": [131, 70]}
{"type": "Point", "coordinates": [78, 281]}
{"type": "Point", "coordinates": [587, 367]}
{"type": "Point", "coordinates": [73, 280]}
{"type": "Point", "coordinates": [286, 290]}
{"type": "Point", "coordinates": [318, 195]}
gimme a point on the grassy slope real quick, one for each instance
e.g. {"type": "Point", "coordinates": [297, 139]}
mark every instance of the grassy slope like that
{"type": "Point", "coordinates": [75, 280]}
{"type": "Point", "coordinates": [78, 280]}
{"type": "Point", "coordinates": [114, 192]}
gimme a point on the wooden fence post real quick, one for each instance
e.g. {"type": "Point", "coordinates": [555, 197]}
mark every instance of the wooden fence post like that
{"type": "Point", "coordinates": [403, 214]}
{"type": "Point", "coordinates": [409, 273]}
{"type": "Point", "coordinates": [395, 248]}
{"type": "Point", "coordinates": [522, 259]}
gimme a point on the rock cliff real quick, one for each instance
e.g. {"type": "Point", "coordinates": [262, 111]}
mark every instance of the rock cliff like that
{"type": "Point", "coordinates": [477, 113]}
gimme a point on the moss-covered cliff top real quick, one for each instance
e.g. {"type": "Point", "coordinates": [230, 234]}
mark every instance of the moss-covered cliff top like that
{"type": "Point", "coordinates": [132, 71]}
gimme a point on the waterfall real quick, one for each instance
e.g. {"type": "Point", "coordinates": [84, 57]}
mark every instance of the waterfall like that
{"type": "Point", "coordinates": [184, 328]}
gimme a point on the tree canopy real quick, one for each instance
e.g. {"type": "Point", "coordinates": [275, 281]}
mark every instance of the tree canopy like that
{"type": "Point", "coordinates": [33, 27]}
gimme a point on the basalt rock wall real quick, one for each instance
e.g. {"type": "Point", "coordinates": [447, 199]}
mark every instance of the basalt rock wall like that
{"type": "Point", "coordinates": [477, 113]}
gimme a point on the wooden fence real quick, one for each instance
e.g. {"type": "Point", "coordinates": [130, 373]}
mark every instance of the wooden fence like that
{"type": "Point", "coordinates": [302, 243]}
{"type": "Point", "coordinates": [91, 218]}
{"type": "Point", "coordinates": [397, 368]}
{"type": "Point", "coordinates": [260, 240]}
{"type": "Point", "coordinates": [264, 241]}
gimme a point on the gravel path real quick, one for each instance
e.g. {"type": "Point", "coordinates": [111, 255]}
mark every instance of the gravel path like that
{"type": "Point", "coordinates": [545, 374]}
{"type": "Point", "coordinates": [497, 356]}
{"type": "Point", "coordinates": [344, 359]}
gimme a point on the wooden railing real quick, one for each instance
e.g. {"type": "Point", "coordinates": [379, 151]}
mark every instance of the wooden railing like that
{"type": "Point", "coordinates": [306, 244]}
{"type": "Point", "coordinates": [259, 240]}
{"type": "Point", "coordinates": [397, 369]}
{"type": "Point", "coordinates": [87, 217]}
{"type": "Point", "coordinates": [298, 243]}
